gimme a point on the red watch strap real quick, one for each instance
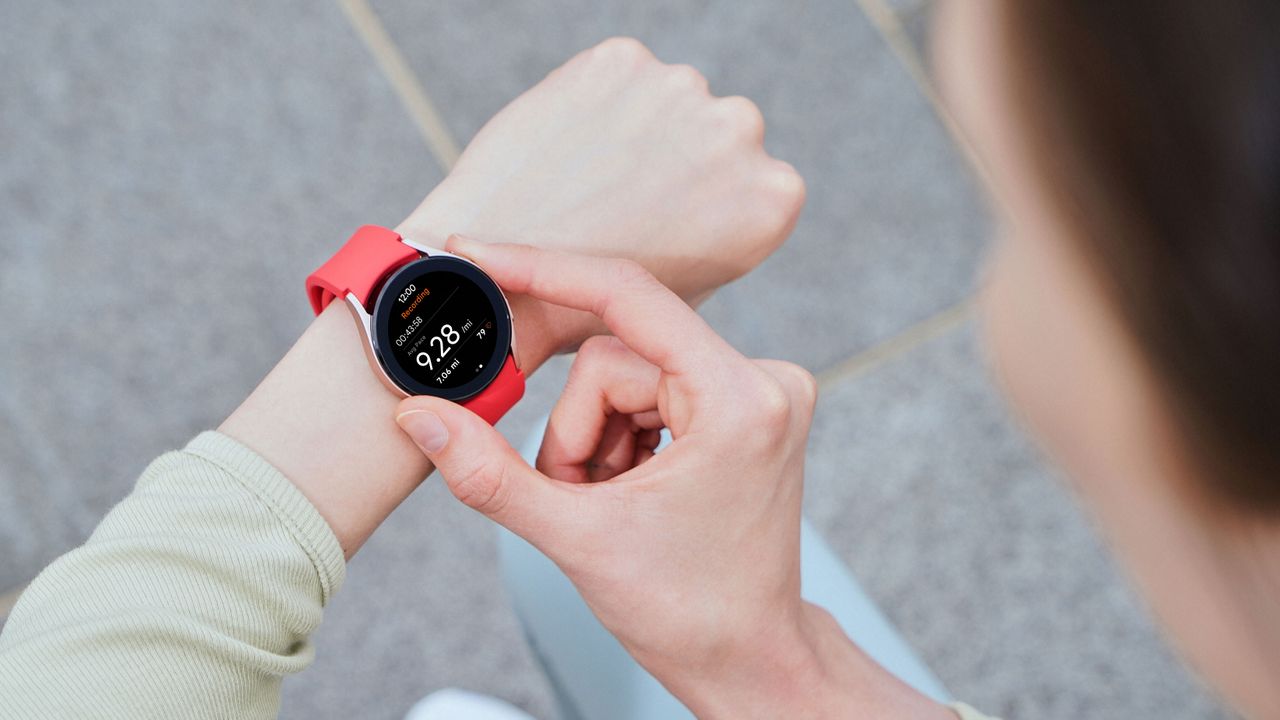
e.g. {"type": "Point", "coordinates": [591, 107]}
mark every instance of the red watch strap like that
{"type": "Point", "coordinates": [502, 393]}
{"type": "Point", "coordinates": [367, 258]}
{"type": "Point", "coordinates": [358, 267]}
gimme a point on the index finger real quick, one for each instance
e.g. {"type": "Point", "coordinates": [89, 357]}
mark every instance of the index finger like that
{"type": "Point", "coordinates": [642, 312]}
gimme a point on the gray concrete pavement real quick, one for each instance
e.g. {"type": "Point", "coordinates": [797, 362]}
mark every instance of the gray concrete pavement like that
{"type": "Point", "coordinates": [979, 552]}
{"type": "Point", "coordinates": [202, 158]}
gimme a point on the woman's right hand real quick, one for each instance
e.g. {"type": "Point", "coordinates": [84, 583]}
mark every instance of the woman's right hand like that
{"type": "Point", "coordinates": [691, 557]}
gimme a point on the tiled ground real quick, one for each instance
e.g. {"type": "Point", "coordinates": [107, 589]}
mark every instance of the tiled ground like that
{"type": "Point", "coordinates": [202, 157]}
{"type": "Point", "coordinates": [889, 203]}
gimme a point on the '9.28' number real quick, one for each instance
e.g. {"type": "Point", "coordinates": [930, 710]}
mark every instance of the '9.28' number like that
{"type": "Point", "coordinates": [447, 338]}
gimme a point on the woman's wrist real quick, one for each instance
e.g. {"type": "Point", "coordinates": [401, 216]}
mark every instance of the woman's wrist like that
{"type": "Point", "coordinates": [541, 330]}
{"type": "Point", "coordinates": [326, 422]}
{"type": "Point", "coordinates": [800, 668]}
{"type": "Point", "coordinates": [323, 418]}
{"type": "Point", "coordinates": [773, 672]}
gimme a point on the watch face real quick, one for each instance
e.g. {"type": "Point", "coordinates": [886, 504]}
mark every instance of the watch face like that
{"type": "Point", "coordinates": [441, 327]}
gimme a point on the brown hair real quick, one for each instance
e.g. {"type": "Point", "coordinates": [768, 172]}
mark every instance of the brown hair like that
{"type": "Point", "coordinates": [1159, 126]}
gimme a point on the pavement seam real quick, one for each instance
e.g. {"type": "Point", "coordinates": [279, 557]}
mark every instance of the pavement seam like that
{"type": "Point", "coordinates": [889, 26]}
{"type": "Point", "coordinates": [406, 84]}
{"type": "Point", "coordinates": [897, 345]}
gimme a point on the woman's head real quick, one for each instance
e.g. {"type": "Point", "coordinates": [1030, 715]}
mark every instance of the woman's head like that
{"type": "Point", "coordinates": [1133, 304]}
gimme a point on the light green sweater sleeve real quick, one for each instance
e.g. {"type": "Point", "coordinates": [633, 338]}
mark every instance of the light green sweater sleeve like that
{"type": "Point", "coordinates": [193, 598]}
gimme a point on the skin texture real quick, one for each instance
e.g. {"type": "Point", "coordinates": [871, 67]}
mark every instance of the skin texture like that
{"type": "Point", "coordinates": [615, 153]}
{"type": "Point", "coordinates": [1083, 387]}
{"type": "Point", "coordinates": [709, 528]}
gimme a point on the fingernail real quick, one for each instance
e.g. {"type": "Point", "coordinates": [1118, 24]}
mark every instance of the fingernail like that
{"type": "Point", "coordinates": [425, 428]}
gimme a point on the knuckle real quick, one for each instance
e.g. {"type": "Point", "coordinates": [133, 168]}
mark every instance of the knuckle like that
{"type": "Point", "coordinates": [786, 185]}
{"type": "Point", "coordinates": [741, 118]}
{"type": "Point", "coordinates": [801, 385]}
{"type": "Point", "coordinates": [595, 352]}
{"type": "Point", "coordinates": [773, 405]}
{"type": "Point", "coordinates": [686, 76]}
{"type": "Point", "coordinates": [623, 278]}
{"type": "Point", "coordinates": [781, 196]}
{"type": "Point", "coordinates": [596, 347]}
{"type": "Point", "coordinates": [632, 275]}
{"type": "Point", "coordinates": [483, 489]}
{"type": "Point", "coordinates": [623, 49]}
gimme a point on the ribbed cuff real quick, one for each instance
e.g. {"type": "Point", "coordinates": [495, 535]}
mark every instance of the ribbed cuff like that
{"type": "Point", "coordinates": [294, 510]}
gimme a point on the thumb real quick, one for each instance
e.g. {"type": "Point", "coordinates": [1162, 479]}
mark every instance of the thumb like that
{"type": "Point", "coordinates": [480, 466]}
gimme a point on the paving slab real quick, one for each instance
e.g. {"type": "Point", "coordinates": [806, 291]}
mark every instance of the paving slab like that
{"type": "Point", "coordinates": [894, 227]}
{"type": "Point", "coordinates": [978, 551]}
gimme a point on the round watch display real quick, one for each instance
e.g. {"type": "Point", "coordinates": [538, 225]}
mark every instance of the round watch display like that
{"type": "Point", "coordinates": [441, 327]}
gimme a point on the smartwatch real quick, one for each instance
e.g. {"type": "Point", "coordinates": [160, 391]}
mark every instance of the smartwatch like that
{"type": "Point", "coordinates": [431, 323]}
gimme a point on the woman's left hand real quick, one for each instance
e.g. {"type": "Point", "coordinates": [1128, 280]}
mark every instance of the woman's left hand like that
{"type": "Point", "coordinates": [618, 154]}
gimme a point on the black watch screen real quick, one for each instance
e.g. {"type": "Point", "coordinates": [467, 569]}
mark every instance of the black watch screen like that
{"type": "Point", "coordinates": [441, 327]}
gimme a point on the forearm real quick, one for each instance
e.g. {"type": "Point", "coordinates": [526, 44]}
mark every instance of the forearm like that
{"type": "Point", "coordinates": [324, 419]}
{"type": "Point", "coordinates": [209, 578]}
